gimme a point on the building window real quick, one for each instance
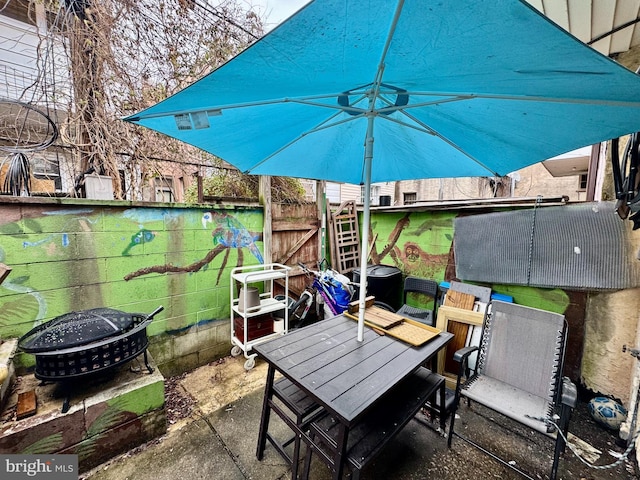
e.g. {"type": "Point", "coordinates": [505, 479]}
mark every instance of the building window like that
{"type": "Point", "coordinates": [47, 168]}
{"type": "Point", "coordinates": [409, 198]}
{"type": "Point", "coordinates": [164, 190]}
{"type": "Point", "coordinates": [582, 182]}
{"type": "Point", "coordinates": [375, 193]}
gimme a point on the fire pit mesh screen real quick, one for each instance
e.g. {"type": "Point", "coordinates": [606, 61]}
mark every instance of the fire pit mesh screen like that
{"type": "Point", "coordinates": [78, 328]}
{"type": "Point", "coordinates": [91, 359]}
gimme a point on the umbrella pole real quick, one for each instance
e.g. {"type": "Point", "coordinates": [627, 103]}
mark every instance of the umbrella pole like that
{"type": "Point", "coordinates": [366, 220]}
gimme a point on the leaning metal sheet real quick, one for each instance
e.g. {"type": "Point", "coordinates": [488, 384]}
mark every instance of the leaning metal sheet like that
{"type": "Point", "coordinates": [583, 247]}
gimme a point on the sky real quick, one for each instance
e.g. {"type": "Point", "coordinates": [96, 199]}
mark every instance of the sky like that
{"type": "Point", "coordinates": [277, 10]}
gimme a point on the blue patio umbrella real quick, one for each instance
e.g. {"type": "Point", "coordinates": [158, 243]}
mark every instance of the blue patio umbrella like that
{"type": "Point", "coordinates": [364, 91]}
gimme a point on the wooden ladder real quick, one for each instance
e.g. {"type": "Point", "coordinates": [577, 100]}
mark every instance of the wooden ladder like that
{"type": "Point", "coordinates": [345, 237]}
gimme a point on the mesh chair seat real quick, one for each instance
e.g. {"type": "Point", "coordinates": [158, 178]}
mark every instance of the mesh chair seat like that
{"type": "Point", "coordinates": [524, 407]}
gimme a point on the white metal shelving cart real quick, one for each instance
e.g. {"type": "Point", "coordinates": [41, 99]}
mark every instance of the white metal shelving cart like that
{"type": "Point", "coordinates": [263, 275]}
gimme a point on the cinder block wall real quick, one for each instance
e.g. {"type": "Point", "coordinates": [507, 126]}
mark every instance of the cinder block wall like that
{"type": "Point", "coordinates": [69, 255]}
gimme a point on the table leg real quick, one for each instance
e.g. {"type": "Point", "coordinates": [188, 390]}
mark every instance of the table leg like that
{"type": "Point", "coordinates": [341, 451]}
{"type": "Point", "coordinates": [443, 407]}
{"type": "Point", "coordinates": [266, 413]}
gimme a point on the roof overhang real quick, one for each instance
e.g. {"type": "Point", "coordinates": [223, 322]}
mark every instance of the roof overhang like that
{"type": "Point", "coordinates": [568, 164]}
{"type": "Point", "coordinates": [609, 26]}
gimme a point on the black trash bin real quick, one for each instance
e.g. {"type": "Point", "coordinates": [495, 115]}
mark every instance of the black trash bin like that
{"type": "Point", "coordinates": [384, 282]}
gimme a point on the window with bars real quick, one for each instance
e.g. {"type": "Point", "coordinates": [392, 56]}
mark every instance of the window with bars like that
{"type": "Point", "coordinates": [409, 197]}
{"type": "Point", "coordinates": [47, 167]}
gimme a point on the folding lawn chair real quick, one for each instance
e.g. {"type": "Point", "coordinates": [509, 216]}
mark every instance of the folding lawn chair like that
{"type": "Point", "coordinates": [519, 373]}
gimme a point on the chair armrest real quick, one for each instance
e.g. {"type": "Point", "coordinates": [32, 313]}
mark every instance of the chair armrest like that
{"type": "Point", "coordinates": [463, 353]}
{"type": "Point", "coordinates": [462, 357]}
{"type": "Point", "coordinates": [569, 393]}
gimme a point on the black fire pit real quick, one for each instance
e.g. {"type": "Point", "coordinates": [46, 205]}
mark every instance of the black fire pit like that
{"type": "Point", "coordinates": [87, 342]}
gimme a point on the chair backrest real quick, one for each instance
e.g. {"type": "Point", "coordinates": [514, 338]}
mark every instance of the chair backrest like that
{"type": "Point", "coordinates": [523, 347]}
{"type": "Point", "coordinates": [420, 285]}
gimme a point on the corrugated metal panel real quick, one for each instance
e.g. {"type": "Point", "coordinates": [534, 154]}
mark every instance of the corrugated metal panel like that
{"type": "Point", "coordinates": [579, 247]}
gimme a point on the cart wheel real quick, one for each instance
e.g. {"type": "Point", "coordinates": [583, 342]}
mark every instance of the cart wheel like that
{"type": "Point", "coordinates": [249, 364]}
{"type": "Point", "coordinates": [235, 351]}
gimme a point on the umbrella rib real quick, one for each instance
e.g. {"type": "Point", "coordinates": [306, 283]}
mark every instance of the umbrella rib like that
{"type": "Point", "coordinates": [521, 98]}
{"type": "Point", "coordinates": [454, 97]}
{"type": "Point", "coordinates": [422, 127]}
{"type": "Point", "coordinates": [387, 44]}
{"type": "Point", "coordinates": [396, 108]}
{"type": "Point", "coordinates": [450, 97]}
{"type": "Point", "coordinates": [325, 105]}
{"type": "Point", "coordinates": [220, 108]}
{"type": "Point", "coordinates": [321, 126]}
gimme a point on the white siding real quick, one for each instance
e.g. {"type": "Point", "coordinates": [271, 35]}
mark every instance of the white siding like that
{"type": "Point", "coordinates": [18, 57]}
{"type": "Point", "coordinates": [333, 192]}
{"type": "Point", "coordinates": [353, 192]}
{"type": "Point", "coordinates": [350, 192]}
{"type": "Point", "coordinates": [26, 76]}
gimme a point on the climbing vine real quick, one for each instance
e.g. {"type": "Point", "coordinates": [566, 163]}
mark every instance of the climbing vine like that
{"type": "Point", "coordinates": [99, 61]}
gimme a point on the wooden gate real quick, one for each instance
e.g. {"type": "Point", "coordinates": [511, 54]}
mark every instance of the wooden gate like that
{"type": "Point", "coordinates": [296, 238]}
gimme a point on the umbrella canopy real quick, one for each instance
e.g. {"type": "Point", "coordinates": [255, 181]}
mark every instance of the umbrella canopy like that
{"type": "Point", "coordinates": [363, 91]}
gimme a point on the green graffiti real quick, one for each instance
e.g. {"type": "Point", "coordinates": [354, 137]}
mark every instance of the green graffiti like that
{"type": "Point", "coordinates": [417, 243]}
{"type": "Point", "coordinates": [52, 443]}
{"type": "Point", "coordinates": [102, 424]}
{"type": "Point", "coordinates": [140, 238]}
{"type": "Point", "coordinates": [15, 285]}
{"type": "Point", "coordinates": [141, 400]}
{"type": "Point", "coordinates": [552, 300]}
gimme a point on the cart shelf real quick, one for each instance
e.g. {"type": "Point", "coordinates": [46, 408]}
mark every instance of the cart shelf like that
{"type": "Point", "coordinates": [263, 275]}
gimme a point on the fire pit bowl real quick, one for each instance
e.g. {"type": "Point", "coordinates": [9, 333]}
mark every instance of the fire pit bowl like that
{"type": "Point", "coordinates": [87, 342]}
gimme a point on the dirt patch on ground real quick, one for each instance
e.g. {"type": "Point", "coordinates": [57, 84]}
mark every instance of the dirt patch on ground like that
{"type": "Point", "coordinates": [209, 388]}
{"type": "Point", "coordinates": [179, 404]}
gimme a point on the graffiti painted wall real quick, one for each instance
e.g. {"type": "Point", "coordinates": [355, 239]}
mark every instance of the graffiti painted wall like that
{"type": "Point", "coordinates": [69, 255]}
{"type": "Point", "coordinates": [417, 243]}
{"type": "Point", "coordinates": [421, 244]}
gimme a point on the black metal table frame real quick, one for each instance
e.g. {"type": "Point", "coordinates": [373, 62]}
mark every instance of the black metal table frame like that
{"type": "Point", "coordinates": [345, 377]}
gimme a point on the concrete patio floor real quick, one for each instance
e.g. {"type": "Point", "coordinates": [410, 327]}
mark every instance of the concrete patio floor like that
{"type": "Point", "coordinates": [214, 414]}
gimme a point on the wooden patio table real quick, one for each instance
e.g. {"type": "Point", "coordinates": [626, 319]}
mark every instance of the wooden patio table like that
{"type": "Point", "coordinates": [344, 376]}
